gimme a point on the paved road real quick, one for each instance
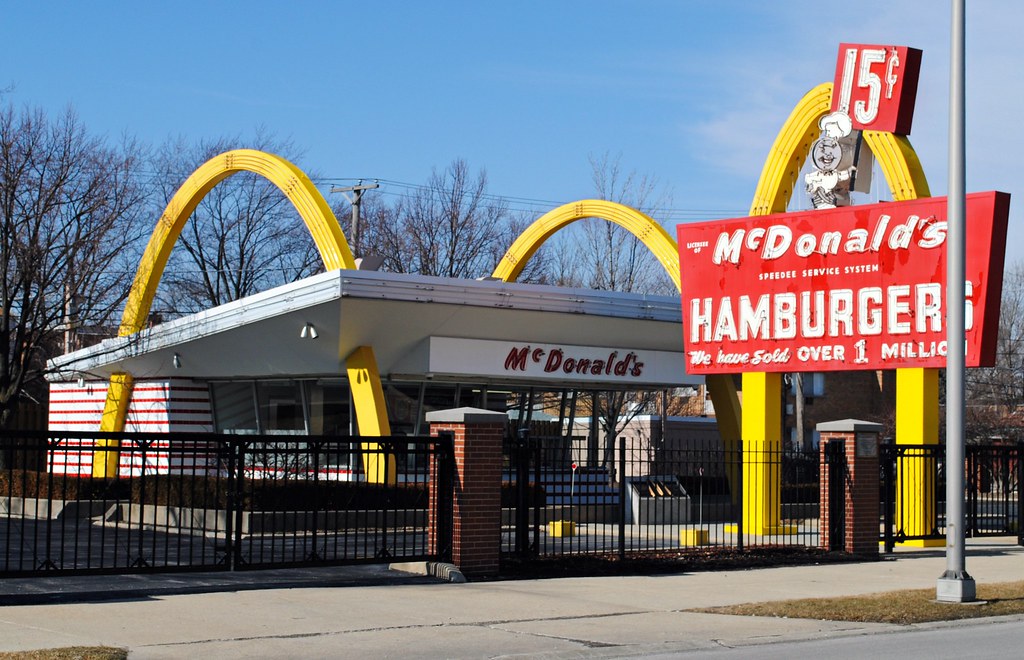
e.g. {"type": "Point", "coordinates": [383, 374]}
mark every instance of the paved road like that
{"type": "Point", "coordinates": [577, 617]}
{"type": "Point", "coordinates": [988, 639]}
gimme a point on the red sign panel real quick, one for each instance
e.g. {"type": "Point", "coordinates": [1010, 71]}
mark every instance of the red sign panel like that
{"type": "Point", "coordinates": [857, 287]}
{"type": "Point", "coordinates": [877, 86]}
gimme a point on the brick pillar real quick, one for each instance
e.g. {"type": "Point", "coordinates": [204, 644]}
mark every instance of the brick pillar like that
{"type": "Point", "coordinates": [476, 516]}
{"type": "Point", "coordinates": [860, 502]}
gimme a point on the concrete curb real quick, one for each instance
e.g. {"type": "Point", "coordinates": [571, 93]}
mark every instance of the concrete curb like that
{"type": "Point", "coordinates": [438, 569]}
{"type": "Point", "coordinates": [141, 586]}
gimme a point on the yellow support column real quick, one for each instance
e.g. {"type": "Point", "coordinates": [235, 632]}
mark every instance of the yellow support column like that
{"type": "Point", "coordinates": [727, 411]}
{"type": "Point", "coordinates": [371, 414]}
{"type": "Point", "coordinates": [917, 423]}
{"type": "Point", "coordinates": [762, 454]}
{"type": "Point", "coordinates": [115, 412]}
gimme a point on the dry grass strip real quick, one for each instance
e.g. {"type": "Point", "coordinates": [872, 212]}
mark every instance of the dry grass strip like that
{"type": "Point", "coordinates": [68, 653]}
{"type": "Point", "coordinates": [901, 607]}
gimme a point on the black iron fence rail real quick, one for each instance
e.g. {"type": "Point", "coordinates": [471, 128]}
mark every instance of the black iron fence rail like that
{"type": "Point", "coordinates": [641, 498]}
{"type": "Point", "coordinates": [913, 492]}
{"type": "Point", "coordinates": [214, 502]}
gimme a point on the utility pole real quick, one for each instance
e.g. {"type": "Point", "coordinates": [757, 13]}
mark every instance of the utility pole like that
{"type": "Point", "coordinates": [357, 196]}
{"type": "Point", "coordinates": [956, 585]}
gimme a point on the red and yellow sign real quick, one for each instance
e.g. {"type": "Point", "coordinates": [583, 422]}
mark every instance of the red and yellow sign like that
{"type": "Point", "coordinates": [860, 287]}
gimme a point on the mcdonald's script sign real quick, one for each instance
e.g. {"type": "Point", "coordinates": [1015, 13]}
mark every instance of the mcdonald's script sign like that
{"type": "Point", "coordinates": [857, 287]}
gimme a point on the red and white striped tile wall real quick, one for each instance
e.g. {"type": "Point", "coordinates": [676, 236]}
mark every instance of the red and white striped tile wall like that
{"type": "Point", "coordinates": [157, 406]}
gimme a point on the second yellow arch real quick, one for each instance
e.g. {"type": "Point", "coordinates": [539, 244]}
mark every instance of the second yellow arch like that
{"type": "Point", "coordinates": [662, 246]}
{"type": "Point", "coordinates": [641, 225]}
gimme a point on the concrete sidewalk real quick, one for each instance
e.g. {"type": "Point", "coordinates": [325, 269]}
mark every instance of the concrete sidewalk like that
{"type": "Point", "coordinates": [600, 617]}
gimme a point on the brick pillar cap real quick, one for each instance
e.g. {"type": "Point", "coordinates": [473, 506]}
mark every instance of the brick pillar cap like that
{"type": "Point", "coordinates": [849, 426]}
{"type": "Point", "coordinates": [467, 416]}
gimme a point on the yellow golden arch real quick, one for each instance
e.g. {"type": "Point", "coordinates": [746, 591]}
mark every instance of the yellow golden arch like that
{"type": "Point", "coordinates": [661, 245]}
{"type": "Point", "coordinates": [917, 407]}
{"type": "Point", "coordinates": [364, 376]}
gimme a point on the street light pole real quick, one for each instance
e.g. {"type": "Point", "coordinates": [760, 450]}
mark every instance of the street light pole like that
{"type": "Point", "coordinates": [955, 585]}
{"type": "Point", "coordinates": [357, 196]}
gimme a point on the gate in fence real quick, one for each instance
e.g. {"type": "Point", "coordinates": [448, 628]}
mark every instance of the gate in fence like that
{"type": "Point", "coordinates": [217, 502]}
{"type": "Point", "coordinates": [835, 462]}
{"type": "Point", "coordinates": [563, 496]}
{"type": "Point", "coordinates": [913, 492]}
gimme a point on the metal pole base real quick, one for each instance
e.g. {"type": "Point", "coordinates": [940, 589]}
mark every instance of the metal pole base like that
{"type": "Point", "coordinates": [956, 587]}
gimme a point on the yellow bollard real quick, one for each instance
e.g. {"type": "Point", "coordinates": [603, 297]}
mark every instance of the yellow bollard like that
{"type": "Point", "coordinates": [560, 528]}
{"type": "Point", "coordinates": [692, 537]}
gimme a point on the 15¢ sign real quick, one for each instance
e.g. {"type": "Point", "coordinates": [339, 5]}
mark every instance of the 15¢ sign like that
{"type": "Point", "coordinates": [876, 86]}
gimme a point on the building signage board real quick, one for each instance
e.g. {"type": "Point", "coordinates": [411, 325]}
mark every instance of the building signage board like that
{"type": "Point", "coordinates": [561, 362]}
{"type": "Point", "coordinates": [876, 86]}
{"type": "Point", "coordinates": [859, 287]}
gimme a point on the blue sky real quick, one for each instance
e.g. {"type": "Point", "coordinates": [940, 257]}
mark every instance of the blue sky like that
{"type": "Point", "coordinates": [692, 93]}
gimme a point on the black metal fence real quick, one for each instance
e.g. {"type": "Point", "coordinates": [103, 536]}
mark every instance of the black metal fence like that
{"type": "Point", "coordinates": [216, 502]}
{"type": "Point", "coordinates": [913, 492]}
{"type": "Point", "coordinates": [648, 497]}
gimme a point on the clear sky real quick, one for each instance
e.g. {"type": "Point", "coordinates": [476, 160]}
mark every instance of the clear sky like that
{"type": "Point", "coordinates": [692, 93]}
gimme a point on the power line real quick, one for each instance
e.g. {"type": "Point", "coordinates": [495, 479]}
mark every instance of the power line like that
{"type": "Point", "coordinates": [530, 203]}
{"type": "Point", "coordinates": [520, 203]}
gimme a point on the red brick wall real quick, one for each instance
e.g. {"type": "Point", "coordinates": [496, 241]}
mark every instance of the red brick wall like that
{"type": "Point", "coordinates": [476, 519]}
{"type": "Point", "coordinates": [866, 395]}
{"type": "Point", "coordinates": [861, 499]}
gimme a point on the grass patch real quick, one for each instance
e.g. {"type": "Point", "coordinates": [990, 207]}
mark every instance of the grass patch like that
{"type": "Point", "coordinates": [901, 607]}
{"type": "Point", "coordinates": [68, 653]}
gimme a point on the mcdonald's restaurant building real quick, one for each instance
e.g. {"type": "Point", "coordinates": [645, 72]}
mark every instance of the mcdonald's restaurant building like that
{"type": "Point", "coordinates": [276, 362]}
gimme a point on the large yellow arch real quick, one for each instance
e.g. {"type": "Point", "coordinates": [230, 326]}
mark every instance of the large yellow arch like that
{"type": "Point", "coordinates": [917, 400]}
{"type": "Point", "coordinates": [662, 246]}
{"type": "Point", "coordinates": [323, 227]}
{"type": "Point", "coordinates": [896, 158]}
{"type": "Point", "coordinates": [639, 224]}
{"type": "Point", "coordinates": [292, 182]}
{"type": "Point", "coordinates": [789, 151]}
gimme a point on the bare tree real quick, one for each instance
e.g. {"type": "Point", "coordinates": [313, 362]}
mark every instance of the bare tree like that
{"type": "Point", "coordinates": [598, 254]}
{"type": "Point", "coordinates": [451, 227]}
{"type": "Point", "coordinates": [995, 393]}
{"type": "Point", "coordinates": [244, 237]}
{"type": "Point", "coordinates": [69, 210]}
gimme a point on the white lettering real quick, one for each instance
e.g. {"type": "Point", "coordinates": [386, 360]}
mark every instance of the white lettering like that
{"type": "Point", "coordinates": [869, 316]}
{"type": "Point", "coordinates": [700, 319]}
{"type": "Point", "coordinates": [805, 245]}
{"type": "Point", "coordinates": [841, 312]}
{"type": "Point", "coordinates": [725, 325]}
{"type": "Point", "coordinates": [812, 320]}
{"type": "Point", "coordinates": [785, 316]}
{"type": "Point", "coordinates": [776, 242]}
{"type": "Point", "coordinates": [929, 307]}
{"type": "Point", "coordinates": [727, 248]}
{"type": "Point", "coordinates": [871, 311]}
{"type": "Point", "coordinates": [754, 321]}
{"type": "Point", "coordinates": [968, 305]}
{"type": "Point", "coordinates": [897, 307]}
